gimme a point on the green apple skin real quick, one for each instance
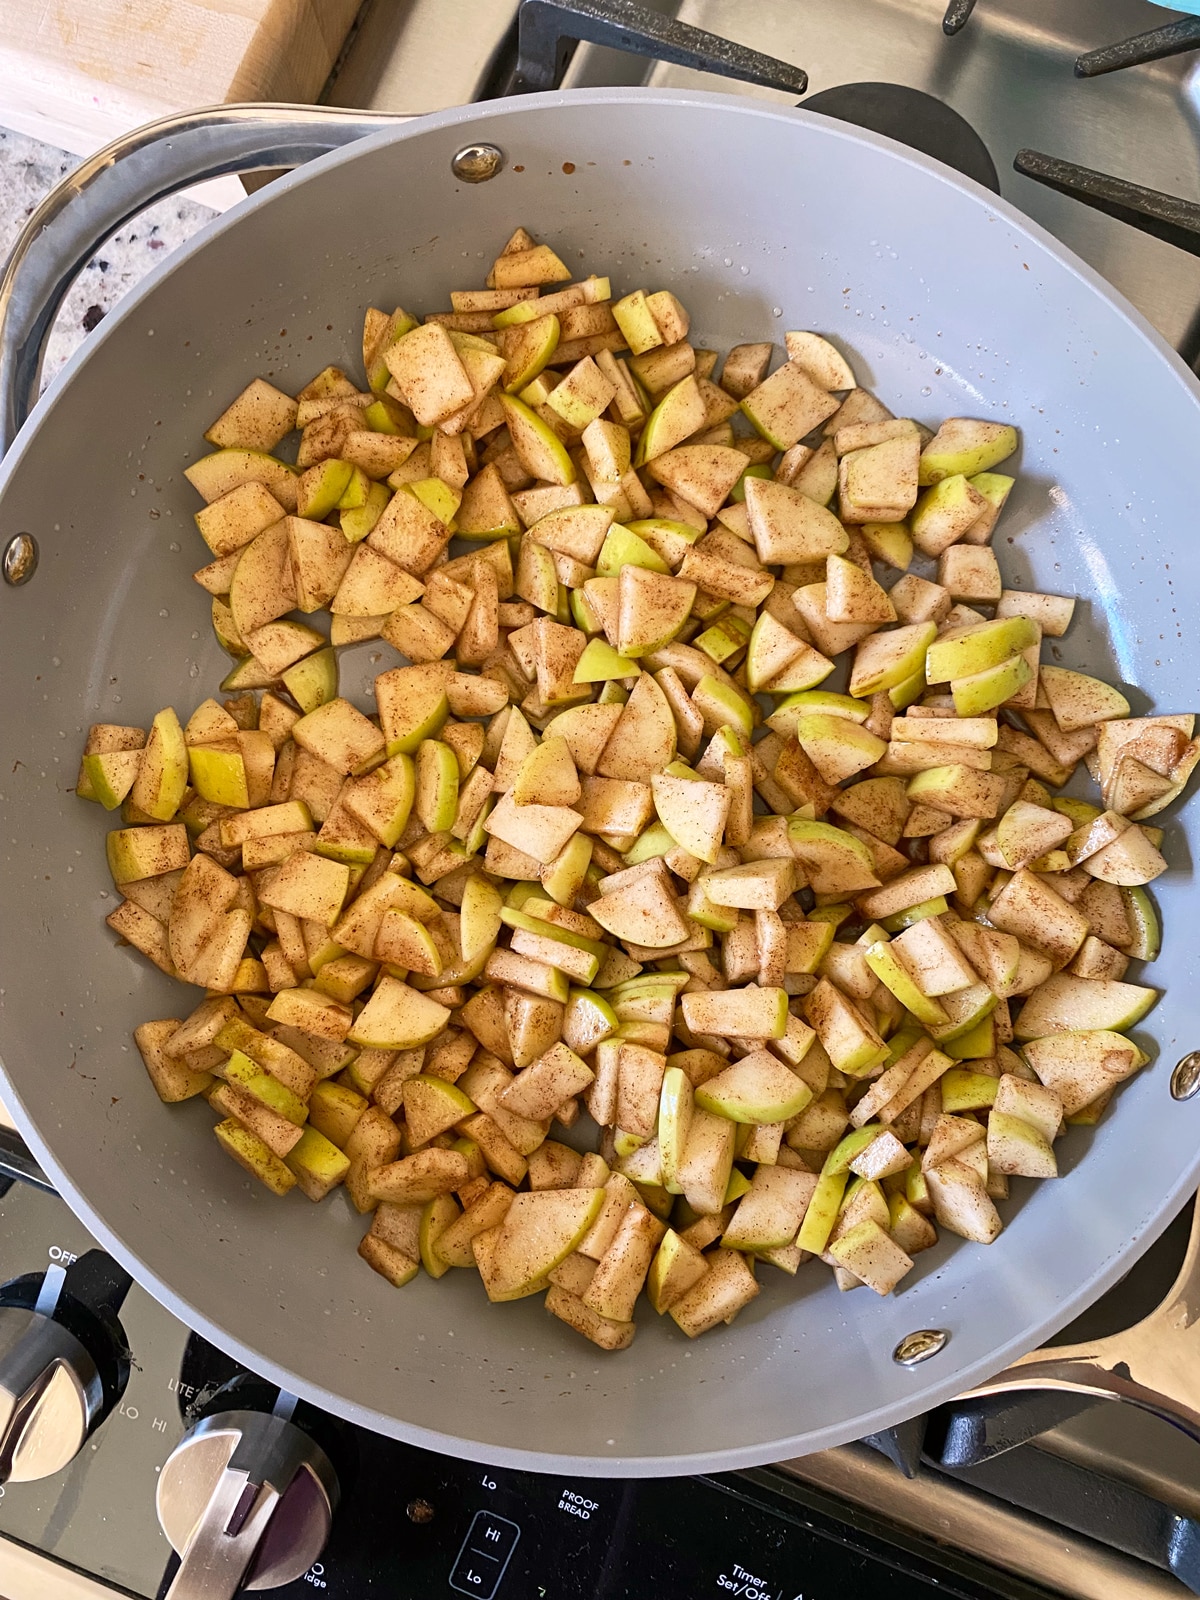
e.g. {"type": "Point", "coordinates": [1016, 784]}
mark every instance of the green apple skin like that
{"type": "Point", "coordinates": [804, 831]}
{"type": "Point", "coordinates": [903, 695]}
{"type": "Point", "coordinates": [600, 662]}
{"type": "Point", "coordinates": [622, 548]}
{"type": "Point", "coordinates": [109, 776]}
{"type": "Point", "coordinates": [327, 489]}
{"type": "Point", "coordinates": [313, 681]}
{"type": "Point", "coordinates": [537, 345]}
{"type": "Point", "coordinates": [822, 1211]}
{"type": "Point", "coordinates": [892, 973]}
{"type": "Point", "coordinates": [975, 649]}
{"type": "Point", "coordinates": [852, 1145]}
{"type": "Point", "coordinates": [636, 321]}
{"type": "Point", "coordinates": [963, 445]}
{"type": "Point", "coordinates": [674, 412]}
{"type": "Point", "coordinates": [219, 776]}
{"type": "Point", "coordinates": [735, 709]}
{"type": "Point", "coordinates": [674, 1119]}
{"type": "Point", "coordinates": [886, 659]}
{"type": "Point", "coordinates": [806, 701]}
{"type": "Point", "coordinates": [1143, 918]}
{"type": "Point", "coordinates": [162, 779]}
{"type": "Point", "coordinates": [479, 917]}
{"type": "Point", "coordinates": [589, 1020]}
{"type": "Point", "coordinates": [838, 736]}
{"type": "Point", "coordinates": [747, 1095]}
{"type": "Point", "coordinates": [541, 445]}
{"type": "Point", "coordinates": [1083, 1005]}
{"type": "Point", "coordinates": [984, 691]}
{"type": "Point", "coordinates": [428, 718]}
{"type": "Point", "coordinates": [437, 784]}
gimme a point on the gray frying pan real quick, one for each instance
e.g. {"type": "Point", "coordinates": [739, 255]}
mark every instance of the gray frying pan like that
{"type": "Point", "coordinates": [762, 219]}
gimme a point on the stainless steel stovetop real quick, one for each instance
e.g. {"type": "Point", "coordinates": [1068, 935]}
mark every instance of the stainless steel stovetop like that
{"type": "Point", "coordinates": [1009, 72]}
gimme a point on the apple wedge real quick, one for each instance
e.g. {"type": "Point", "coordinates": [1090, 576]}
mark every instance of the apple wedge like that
{"type": "Point", "coordinates": [787, 526]}
{"type": "Point", "coordinates": [693, 813]}
{"type": "Point", "coordinates": [397, 1018]}
{"type": "Point", "coordinates": [757, 1089]}
{"type": "Point", "coordinates": [644, 739]}
{"type": "Point", "coordinates": [644, 912]}
{"type": "Point", "coordinates": [651, 609]}
{"type": "Point", "coordinates": [966, 445]}
{"type": "Point", "coordinates": [539, 1231]}
{"type": "Point", "coordinates": [1065, 1004]}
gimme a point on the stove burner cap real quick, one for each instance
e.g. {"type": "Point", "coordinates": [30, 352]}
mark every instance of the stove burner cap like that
{"type": "Point", "coordinates": [913, 118]}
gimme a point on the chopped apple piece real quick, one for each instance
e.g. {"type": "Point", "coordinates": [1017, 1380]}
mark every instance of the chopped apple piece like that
{"type": "Point", "coordinates": [787, 405]}
{"type": "Point", "coordinates": [1067, 1004]}
{"type": "Point", "coordinates": [963, 445]}
{"type": "Point", "coordinates": [825, 365]}
{"type": "Point", "coordinates": [756, 1089]}
{"type": "Point", "coordinates": [1078, 701]}
{"type": "Point", "coordinates": [718, 1296]}
{"type": "Point", "coordinates": [788, 526]}
{"type": "Point", "coordinates": [749, 1013]}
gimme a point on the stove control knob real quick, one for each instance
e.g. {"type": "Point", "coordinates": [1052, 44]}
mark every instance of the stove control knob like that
{"type": "Point", "coordinates": [247, 1500]}
{"type": "Point", "coordinates": [64, 1362]}
{"type": "Point", "coordinates": [51, 1392]}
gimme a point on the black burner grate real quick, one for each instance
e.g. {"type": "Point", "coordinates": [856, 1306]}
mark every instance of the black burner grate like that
{"type": "Point", "coordinates": [1166, 216]}
{"type": "Point", "coordinates": [1172, 39]}
{"type": "Point", "coordinates": [549, 30]}
{"type": "Point", "coordinates": [958, 13]}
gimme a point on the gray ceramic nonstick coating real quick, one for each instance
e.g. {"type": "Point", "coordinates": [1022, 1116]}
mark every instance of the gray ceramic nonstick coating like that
{"type": "Point", "coordinates": [761, 219]}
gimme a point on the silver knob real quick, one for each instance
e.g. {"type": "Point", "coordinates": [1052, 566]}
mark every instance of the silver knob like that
{"type": "Point", "coordinates": [247, 1500]}
{"type": "Point", "coordinates": [50, 1390]}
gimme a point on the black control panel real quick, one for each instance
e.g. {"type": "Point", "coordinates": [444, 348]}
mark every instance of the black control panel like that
{"type": "Point", "coordinates": [418, 1527]}
{"type": "Point", "coordinates": [485, 1554]}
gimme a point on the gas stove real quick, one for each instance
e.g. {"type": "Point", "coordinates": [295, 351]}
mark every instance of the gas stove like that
{"type": "Point", "coordinates": [1087, 117]}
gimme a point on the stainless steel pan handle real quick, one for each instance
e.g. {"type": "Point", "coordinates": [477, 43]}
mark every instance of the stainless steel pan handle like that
{"type": "Point", "coordinates": [1154, 1365]}
{"type": "Point", "coordinates": [17, 1162]}
{"type": "Point", "coordinates": [113, 185]}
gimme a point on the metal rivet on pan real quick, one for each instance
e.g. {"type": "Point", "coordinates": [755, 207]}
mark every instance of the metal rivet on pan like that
{"type": "Point", "coordinates": [919, 1346]}
{"type": "Point", "coordinates": [476, 163]}
{"type": "Point", "coordinates": [1185, 1080]}
{"type": "Point", "coordinates": [20, 559]}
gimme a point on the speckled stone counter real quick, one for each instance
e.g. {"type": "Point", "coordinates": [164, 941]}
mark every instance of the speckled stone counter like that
{"type": "Point", "coordinates": [28, 170]}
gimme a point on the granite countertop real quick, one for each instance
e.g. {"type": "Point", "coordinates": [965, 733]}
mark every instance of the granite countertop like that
{"type": "Point", "coordinates": [28, 170]}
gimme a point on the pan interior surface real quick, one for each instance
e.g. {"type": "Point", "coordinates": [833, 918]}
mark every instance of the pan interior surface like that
{"type": "Point", "coordinates": [761, 220]}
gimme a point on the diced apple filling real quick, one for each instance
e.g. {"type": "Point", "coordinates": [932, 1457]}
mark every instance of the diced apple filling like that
{"type": "Point", "coordinates": [803, 972]}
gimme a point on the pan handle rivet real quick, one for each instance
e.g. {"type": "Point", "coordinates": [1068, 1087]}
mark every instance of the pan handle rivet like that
{"type": "Point", "coordinates": [919, 1346]}
{"type": "Point", "coordinates": [1185, 1080]}
{"type": "Point", "coordinates": [476, 163]}
{"type": "Point", "coordinates": [20, 559]}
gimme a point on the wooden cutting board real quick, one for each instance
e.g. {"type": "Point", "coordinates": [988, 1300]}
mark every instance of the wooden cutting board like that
{"type": "Point", "coordinates": [75, 73]}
